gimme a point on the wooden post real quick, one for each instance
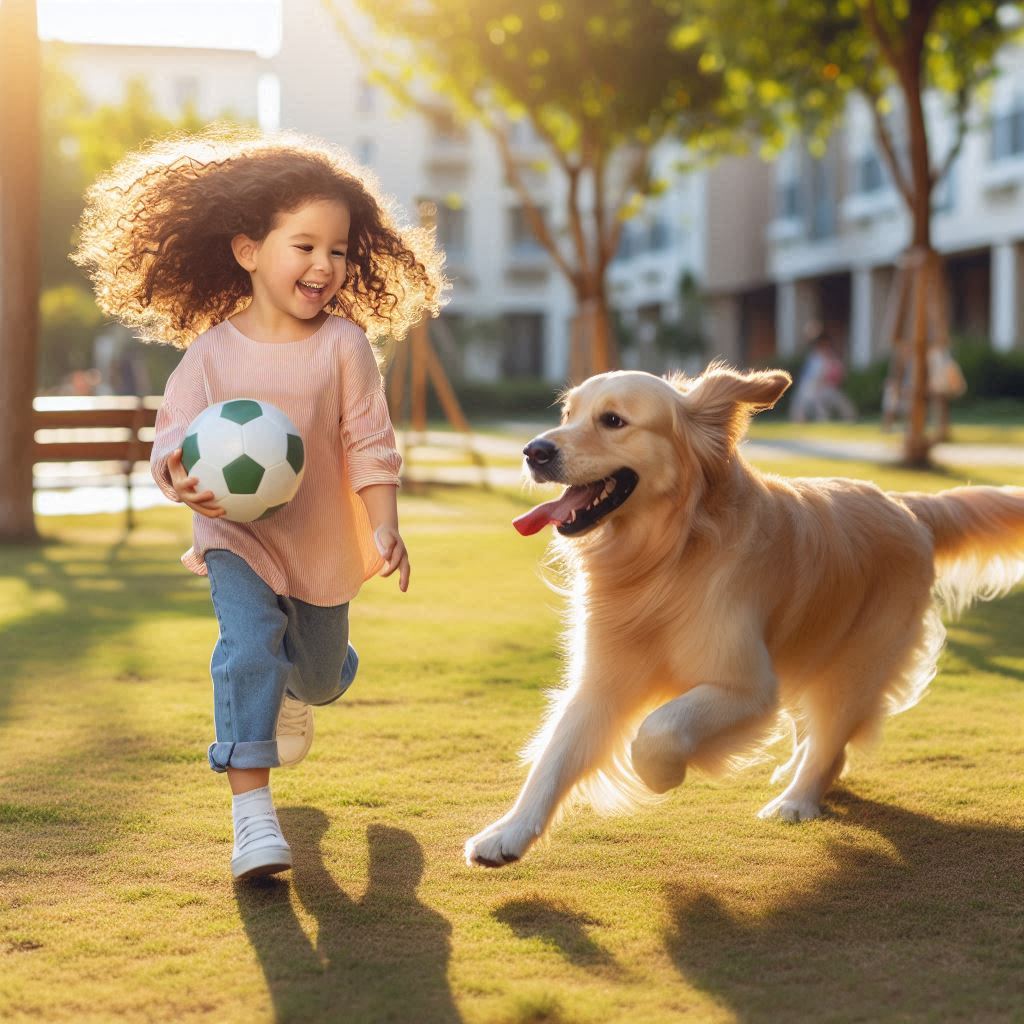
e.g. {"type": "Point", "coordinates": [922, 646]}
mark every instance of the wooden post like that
{"type": "Point", "coordinates": [20, 173]}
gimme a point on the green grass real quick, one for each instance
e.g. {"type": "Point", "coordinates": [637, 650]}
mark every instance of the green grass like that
{"type": "Point", "coordinates": [903, 904]}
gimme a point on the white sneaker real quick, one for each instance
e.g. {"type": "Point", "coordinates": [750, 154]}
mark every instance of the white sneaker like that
{"type": "Point", "coordinates": [260, 848]}
{"type": "Point", "coordinates": [294, 731]}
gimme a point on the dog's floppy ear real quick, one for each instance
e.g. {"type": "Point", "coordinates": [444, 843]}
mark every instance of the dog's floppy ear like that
{"type": "Point", "coordinates": [717, 405]}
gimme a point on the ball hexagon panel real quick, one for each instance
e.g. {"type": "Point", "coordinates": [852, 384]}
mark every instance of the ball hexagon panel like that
{"type": "Point", "coordinates": [210, 478]}
{"type": "Point", "coordinates": [220, 440]}
{"type": "Point", "coordinates": [279, 484]}
{"type": "Point", "coordinates": [243, 508]}
{"type": "Point", "coordinates": [265, 441]}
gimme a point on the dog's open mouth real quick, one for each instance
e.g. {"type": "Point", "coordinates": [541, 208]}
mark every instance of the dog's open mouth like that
{"type": "Point", "coordinates": [581, 507]}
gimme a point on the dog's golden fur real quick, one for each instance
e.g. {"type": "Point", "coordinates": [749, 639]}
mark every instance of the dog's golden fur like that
{"type": "Point", "coordinates": [717, 602]}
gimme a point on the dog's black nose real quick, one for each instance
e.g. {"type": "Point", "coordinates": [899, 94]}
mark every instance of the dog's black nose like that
{"type": "Point", "coordinates": [540, 452]}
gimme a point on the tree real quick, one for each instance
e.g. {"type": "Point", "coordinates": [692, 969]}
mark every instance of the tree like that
{"type": "Point", "coordinates": [599, 84]}
{"type": "Point", "coordinates": [806, 58]}
{"type": "Point", "coordinates": [79, 143]}
{"type": "Point", "coordinates": [19, 261]}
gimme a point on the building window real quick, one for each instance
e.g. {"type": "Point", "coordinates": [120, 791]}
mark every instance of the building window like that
{"type": "Point", "coordinates": [660, 235]}
{"type": "Point", "coordinates": [823, 199]}
{"type": "Point", "coordinates": [1008, 132]}
{"type": "Point", "coordinates": [452, 230]}
{"type": "Point", "coordinates": [787, 200]}
{"type": "Point", "coordinates": [522, 345]}
{"type": "Point", "coordinates": [869, 175]}
{"type": "Point", "coordinates": [522, 240]}
{"type": "Point", "coordinates": [365, 151]}
{"type": "Point", "coordinates": [366, 97]}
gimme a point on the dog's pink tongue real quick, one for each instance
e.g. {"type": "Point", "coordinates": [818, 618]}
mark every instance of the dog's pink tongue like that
{"type": "Point", "coordinates": [552, 513]}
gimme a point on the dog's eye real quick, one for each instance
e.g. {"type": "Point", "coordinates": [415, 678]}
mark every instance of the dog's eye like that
{"type": "Point", "coordinates": [613, 420]}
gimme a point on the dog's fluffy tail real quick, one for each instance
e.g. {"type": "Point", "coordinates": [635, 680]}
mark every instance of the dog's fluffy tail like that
{"type": "Point", "coordinates": [979, 541]}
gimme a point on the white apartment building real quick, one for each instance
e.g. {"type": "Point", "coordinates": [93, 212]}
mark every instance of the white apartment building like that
{"type": "Point", "coordinates": [770, 247]}
{"type": "Point", "coordinates": [213, 82]}
{"type": "Point", "coordinates": [839, 228]}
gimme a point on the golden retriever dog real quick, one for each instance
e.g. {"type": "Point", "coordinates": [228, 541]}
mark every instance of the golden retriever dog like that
{"type": "Point", "coordinates": [712, 604]}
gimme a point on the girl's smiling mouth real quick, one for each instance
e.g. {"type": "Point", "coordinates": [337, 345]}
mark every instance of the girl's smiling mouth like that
{"type": "Point", "coordinates": [310, 289]}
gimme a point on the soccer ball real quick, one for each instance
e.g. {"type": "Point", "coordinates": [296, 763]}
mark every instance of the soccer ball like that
{"type": "Point", "coordinates": [248, 453]}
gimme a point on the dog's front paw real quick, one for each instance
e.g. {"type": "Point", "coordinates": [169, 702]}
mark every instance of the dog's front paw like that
{"type": "Point", "coordinates": [791, 809]}
{"type": "Point", "coordinates": [500, 844]}
{"type": "Point", "coordinates": [658, 764]}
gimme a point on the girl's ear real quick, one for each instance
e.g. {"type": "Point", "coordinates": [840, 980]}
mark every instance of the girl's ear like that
{"type": "Point", "coordinates": [245, 250]}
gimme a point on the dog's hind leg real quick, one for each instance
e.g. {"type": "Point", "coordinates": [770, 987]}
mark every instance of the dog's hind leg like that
{"type": "Point", "coordinates": [822, 758]}
{"type": "Point", "coordinates": [850, 702]}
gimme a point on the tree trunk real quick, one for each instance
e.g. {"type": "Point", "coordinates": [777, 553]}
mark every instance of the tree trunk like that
{"type": "Point", "coordinates": [593, 347]}
{"type": "Point", "coordinates": [916, 443]}
{"type": "Point", "coordinates": [20, 173]}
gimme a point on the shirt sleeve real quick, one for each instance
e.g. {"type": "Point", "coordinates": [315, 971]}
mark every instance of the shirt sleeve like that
{"type": "Point", "coordinates": [371, 451]}
{"type": "Point", "coordinates": [184, 398]}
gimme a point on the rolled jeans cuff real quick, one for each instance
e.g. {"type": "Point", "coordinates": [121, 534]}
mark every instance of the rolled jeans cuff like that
{"type": "Point", "coordinates": [253, 754]}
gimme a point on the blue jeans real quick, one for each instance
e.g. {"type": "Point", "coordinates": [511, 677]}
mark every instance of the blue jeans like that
{"type": "Point", "coordinates": [268, 646]}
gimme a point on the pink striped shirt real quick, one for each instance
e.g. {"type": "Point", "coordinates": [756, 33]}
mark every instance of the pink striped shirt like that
{"type": "Point", "coordinates": [319, 548]}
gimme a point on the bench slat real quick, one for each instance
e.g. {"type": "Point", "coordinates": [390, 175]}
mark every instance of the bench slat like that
{"type": "Point", "coordinates": [54, 419]}
{"type": "Point", "coordinates": [92, 451]}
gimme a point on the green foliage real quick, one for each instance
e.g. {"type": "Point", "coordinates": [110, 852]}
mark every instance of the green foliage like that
{"type": "Point", "coordinates": [590, 77]}
{"type": "Point", "coordinates": [798, 69]}
{"type": "Point", "coordinates": [989, 374]}
{"type": "Point", "coordinates": [490, 400]}
{"type": "Point", "coordinates": [79, 142]}
{"type": "Point", "coordinates": [69, 323]}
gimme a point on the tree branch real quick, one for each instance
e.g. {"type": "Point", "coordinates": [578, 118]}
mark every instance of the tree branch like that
{"type": "Point", "coordinates": [533, 214]}
{"type": "Point", "coordinates": [882, 37]}
{"type": "Point", "coordinates": [884, 136]}
{"type": "Point", "coordinates": [962, 106]}
{"type": "Point", "coordinates": [576, 224]}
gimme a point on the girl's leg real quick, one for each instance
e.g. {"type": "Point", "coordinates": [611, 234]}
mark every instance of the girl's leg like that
{"type": "Point", "coordinates": [316, 643]}
{"type": "Point", "coordinates": [250, 670]}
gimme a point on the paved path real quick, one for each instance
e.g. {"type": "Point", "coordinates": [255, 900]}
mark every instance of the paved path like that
{"type": "Point", "coordinates": [65, 491]}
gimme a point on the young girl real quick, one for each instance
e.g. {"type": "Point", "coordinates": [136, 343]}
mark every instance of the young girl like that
{"type": "Point", "coordinates": [269, 261]}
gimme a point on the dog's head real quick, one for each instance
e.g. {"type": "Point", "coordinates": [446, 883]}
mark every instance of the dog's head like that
{"type": "Point", "coordinates": [628, 438]}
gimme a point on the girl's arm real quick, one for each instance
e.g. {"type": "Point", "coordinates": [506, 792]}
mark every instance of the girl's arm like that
{"type": "Point", "coordinates": [371, 452]}
{"type": "Point", "coordinates": [381, 501]}
{"type": "Point", "coordinates": [184, 399]}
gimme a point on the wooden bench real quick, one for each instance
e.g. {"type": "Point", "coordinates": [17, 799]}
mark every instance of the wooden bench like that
{"type": "Point", "coordinates": [108, 429]}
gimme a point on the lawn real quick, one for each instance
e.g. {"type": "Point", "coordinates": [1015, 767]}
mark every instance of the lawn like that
{"type": "Point", "coordinates": [116, 903]}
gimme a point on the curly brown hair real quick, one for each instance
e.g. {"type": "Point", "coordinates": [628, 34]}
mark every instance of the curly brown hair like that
{"type": "Point", "coordinates": [157, 228]}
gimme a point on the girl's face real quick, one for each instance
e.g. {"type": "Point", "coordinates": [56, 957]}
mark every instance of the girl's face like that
{"type": "Point", "coordinates": [297, 269]}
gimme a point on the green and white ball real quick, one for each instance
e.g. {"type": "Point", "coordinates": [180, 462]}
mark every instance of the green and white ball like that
{"type": "Point", "coordinates": [248, 453]}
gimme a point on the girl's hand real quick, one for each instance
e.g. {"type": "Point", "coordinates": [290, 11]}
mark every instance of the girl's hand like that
{"type": "Point", "coordinates": [392, 547]}
{"type": "Point", "coordinates": [185, 487]}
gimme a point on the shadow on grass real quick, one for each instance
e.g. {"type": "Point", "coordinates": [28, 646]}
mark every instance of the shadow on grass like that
{"type": "Point", "coordinates": [988, 632]}
{"type": "Point", "coordinates": [100, 592]}
{"type": "Point", "coordinates": [928, 930]}
{"type": "Point", "coordinates": [381, 958]}
{"type": "Point", "coordinates": [557, 926]}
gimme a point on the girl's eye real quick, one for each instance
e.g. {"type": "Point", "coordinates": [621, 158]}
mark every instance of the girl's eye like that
{"type": "Point", "coordinates": [305, 248]}
{"type": "Point", "coordinates": [341, 254]}
{"type": "Point", "coordinates": [612, 420]}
